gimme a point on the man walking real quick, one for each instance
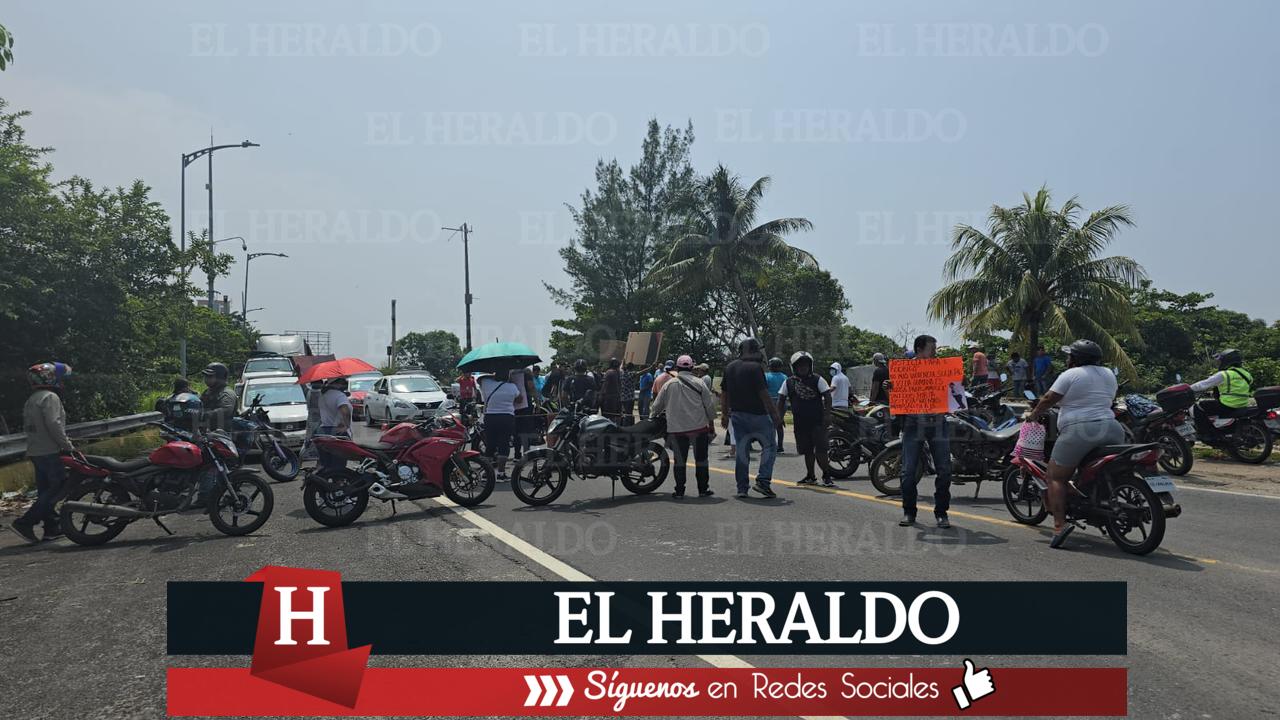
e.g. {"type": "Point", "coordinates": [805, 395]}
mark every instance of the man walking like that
{"type": "Point", "coordinates": [1041, 366]}
{"type": "Point", "coordinates": [916, 431]}
{"type": "Point", "coordinates": [755, 417]}
{"type": "Point", "coordinates": [44, 420]}
{"type": "Point", "coordinates": [810, 398]}
{"type": "Point", "coordinates": [691, 415]}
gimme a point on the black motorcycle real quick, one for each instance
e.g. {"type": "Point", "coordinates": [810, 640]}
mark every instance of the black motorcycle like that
{"type": "Point", "coordinates": [855, 438]}
{"type": "Point", "coordinates": [1165, 422]}
{"type": "Point", "coordinates": [252, 430]}
{"type": "Point", "coordinates": [1240, 432]}
{"type": "Point", "coordinates": [977, 454]}
{"type": "Point", "coordinates": [588, 445]}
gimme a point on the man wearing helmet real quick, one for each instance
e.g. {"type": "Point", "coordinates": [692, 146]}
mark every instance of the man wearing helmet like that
{"type": "Point", "coordinates": [44, 420]}
{"type": "Point", "coordinates": [1232, 387]}
{"type": "Point", "coordinates": [879, 375]}
{"type": "Point", "coordinates": [745, 400]}
{"type": "Point", "coordinates": [810, 398]}
{"type": "Point", "coordinates": [219, 401]}
{"type": "Point", "coordinates": [1083, 393]}
{"type": "Point", "coordinates": [774, 379]}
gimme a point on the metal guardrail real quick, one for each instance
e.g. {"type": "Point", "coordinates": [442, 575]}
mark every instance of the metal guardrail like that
{"type": "Point", "coordinates": [14, 447]}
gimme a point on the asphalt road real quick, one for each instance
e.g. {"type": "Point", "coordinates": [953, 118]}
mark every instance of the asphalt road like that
{"type": "Point", "coordinates": [82, 630]}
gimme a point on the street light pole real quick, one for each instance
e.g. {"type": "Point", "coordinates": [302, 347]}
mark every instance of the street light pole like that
{"type": "Point", "coordinates": [187, 159]}
{"type": "Point", "coordinates": [466, 275]}
{"type": "Point", "coordinates": [244, 299]}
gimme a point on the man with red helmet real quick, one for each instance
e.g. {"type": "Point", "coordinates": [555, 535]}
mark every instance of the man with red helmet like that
{"type": "Point", "coordinates": [45, 422]}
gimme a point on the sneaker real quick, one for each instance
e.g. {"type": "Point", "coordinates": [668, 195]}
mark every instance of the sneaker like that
{"type": "Point", "coordinates": [26, 532]}
{"type": "Point", "coordinates": [706, 493]}
{"type": "Point", "coordinates": [764, 490]}
{"type": "Point", "coordinates": [742, 494]}
{"type": "Point", "coordinates": [677, 493]}
{"type": "Point", "coordinates": [828, 483]}
{"type": "Point", "coordinates": [907, 521]}
{"type": "Point", "coordinates": [807, 481]}
{"type": "Point", "coordinates": [52, 532]}
{"type": "Point", "coordinates": [943, 522]}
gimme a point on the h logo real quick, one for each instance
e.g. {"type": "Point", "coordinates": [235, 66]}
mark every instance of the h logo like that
{"type": "Point", "coordinates": [288, 615]}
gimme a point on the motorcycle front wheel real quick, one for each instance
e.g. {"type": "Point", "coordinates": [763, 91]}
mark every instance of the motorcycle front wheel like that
{"type": "Point", "coordinates": [648, 471]}
{"type": "Point", "coordinates": [470, 481]}
{"type": "Point", "coordinates": [886, 471]}
{"type": "Point", "coordinates": [843, 455]}
{"type": "Point", "coordinates": [1251, 444]}
{"type": "Point", "coordinates": [539, 477]}
{"type": "Point", "coordinates": [89, 528]}
{"type": "Point", "coordinates": [1137, 519]}
{"type": "Point", "coordinates": [242, 504]}
{"type": "Point", "coordinates": [335, 508]}
{"type": "Point", "coordinates": [1175, 453]}
{"type": "Point", "coordinates": [1022, 497]}
{"type": "Point", "coordinates": [280, 462]}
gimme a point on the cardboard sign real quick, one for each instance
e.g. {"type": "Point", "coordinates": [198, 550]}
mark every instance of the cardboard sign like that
{"type": "Point", "coordinates": [643, 348]}
{"type": "Point", "coordinates": [612, 349]}
{"type": "Point", "coordinates": [922, 386]}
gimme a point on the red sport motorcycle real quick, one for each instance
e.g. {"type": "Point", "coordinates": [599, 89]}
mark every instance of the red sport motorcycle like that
{"type": "Point", "coordinates": [107, 494]}
{"type": "Point", "coordinates": [410, 461]}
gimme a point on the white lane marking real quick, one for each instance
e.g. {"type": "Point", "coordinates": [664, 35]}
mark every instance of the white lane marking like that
{"type": "Point", "coordinates": [1228, 492]}
{"type": "Point", "coordinates": [566, 571]}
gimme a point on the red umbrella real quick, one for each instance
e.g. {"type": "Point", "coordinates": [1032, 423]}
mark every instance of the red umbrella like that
{"type": "Point", "coordinates": [341, 367]}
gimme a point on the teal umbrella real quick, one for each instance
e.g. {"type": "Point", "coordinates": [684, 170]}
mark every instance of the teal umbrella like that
{"type": "Point", "coordinates": [497, 357]}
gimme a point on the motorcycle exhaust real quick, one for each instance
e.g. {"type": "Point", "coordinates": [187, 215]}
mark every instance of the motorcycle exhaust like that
{"type": "Point", "coordinates": [109, 510]}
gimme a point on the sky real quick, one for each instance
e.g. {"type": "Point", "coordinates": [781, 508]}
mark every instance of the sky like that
{"type": "Point", "coordinates": [884, 123]}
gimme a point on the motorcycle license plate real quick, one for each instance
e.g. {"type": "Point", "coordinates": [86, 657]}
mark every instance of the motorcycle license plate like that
{"type": "Point", "coordinates": [1187, 430]}
{"type": "Point", "coordinates": [1160, 483]}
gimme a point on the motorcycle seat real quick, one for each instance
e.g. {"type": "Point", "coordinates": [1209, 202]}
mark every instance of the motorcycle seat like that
{"type": "Point", "coordinates": [1003, 435]}
{"type": "Point", "coordinates": [114, 465]}
{"type": "Point", "coordinates": [1102, 451]}
{"type": "Point", "coordinates": [644, 427]}
{"type": "Point", "coordinates": [376, 446]}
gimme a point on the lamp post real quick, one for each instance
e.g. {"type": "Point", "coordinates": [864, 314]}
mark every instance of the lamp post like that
{"type": "Point", "coordinates": [187, 159]}
{"type": "Point", "coordinates": [244, 299]}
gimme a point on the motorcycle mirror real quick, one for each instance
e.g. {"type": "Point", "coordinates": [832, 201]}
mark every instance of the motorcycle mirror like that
{"type": "Point", "coordinates": [1029, 395]}
{"type": "Point", "coordinates": [1004, 377]}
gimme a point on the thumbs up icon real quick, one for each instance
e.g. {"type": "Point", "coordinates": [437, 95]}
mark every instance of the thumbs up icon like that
{"type": "Point", "coordinates": [977, 684]}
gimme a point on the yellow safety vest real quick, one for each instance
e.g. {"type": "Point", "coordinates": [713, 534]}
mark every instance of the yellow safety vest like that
{"type": "Point", "coordinates": [1235, 392]}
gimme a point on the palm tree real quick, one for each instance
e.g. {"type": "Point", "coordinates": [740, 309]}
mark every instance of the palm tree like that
{"type": "Point", "coordinates": [1036, 269]}
{"type": "Point", "coordinates": [720, 245]}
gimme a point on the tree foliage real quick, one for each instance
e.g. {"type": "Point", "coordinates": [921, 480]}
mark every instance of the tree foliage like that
{"type": "Point", "coordinates": [436, 351]}
{"type": "Point", "coordinates": [6, 48]}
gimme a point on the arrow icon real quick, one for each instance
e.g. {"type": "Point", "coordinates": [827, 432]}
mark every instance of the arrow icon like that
{"type": "Point", "coordinates": [544, 687]}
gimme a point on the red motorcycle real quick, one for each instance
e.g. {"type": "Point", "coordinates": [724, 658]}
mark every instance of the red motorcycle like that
{"type": "Point", "coordinates": [1111, 490]}
{"type": "Point", "coordinates": [107, 494]}
{"type": "Point", "coordinates": [410, 461]}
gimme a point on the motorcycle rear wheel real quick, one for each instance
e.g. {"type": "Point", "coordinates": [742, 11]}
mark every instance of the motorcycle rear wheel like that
{"type": "Point", "coordinates": [91, 529]}
{"type": "Point", "coordinates": [1252, 434]}
{"type": "Point", "coordinates": [1176, 457]}
{"type": "Point", "coordinates": [282, 466]}
{"type": "Point", "coordinates": [1135, 506]}
{"type": "Point", "coordinates": [335, 508]}
{"type": "Point", "coordinates": [539, 477]}
{"type": "Point", "coordinates": [472, 484]}
{"type": "Point", "coordinates": [844, 456]}
{"type": "Point", "coordinates": [886, 471]}
{"type": "Point", "coordinates": [648, 474]}
{"type": "Point", "coordinates": [1022, 498]}
{"type": "Point", "coordinates": [248, 495]}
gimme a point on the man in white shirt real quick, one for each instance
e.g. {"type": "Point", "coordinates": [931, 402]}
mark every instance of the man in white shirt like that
{"type": "Point", "coordinates": [335, 419]}
{"type": "Point", "coordinates": [839, 386]}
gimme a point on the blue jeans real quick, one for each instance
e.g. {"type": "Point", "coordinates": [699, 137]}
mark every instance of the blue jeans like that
{"type": "Point", "coordinates": [328, 460]}
{"type": "Point", "coordinates": [916, 431]}
{"type": "Point", "coordinates": [748, 428]}
{"type": "Point", "coordinates": [51, 476]}
{"type": "Point", "coordinates": [644, 405]}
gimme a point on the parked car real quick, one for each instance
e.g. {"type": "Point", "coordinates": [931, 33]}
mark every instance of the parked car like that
{"type": "Point", "coordinates": [284, 401]}
{"type": "Point", "coordinates": [268, 366]}
{"type": "Point", "coordinates": [403, 396]}
{"type": "Point", "coordinates": [358, 387]}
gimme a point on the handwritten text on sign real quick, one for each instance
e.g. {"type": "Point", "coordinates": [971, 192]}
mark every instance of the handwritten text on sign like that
{"type": "Point", "coordinates": [920, 385]}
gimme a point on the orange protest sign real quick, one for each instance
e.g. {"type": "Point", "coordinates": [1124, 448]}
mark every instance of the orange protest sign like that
{"type": "Point", "coordinates": [920, 386]}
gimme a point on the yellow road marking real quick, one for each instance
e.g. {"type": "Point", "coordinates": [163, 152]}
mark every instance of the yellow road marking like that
{"type": "Point", "coordinates": [981, 518]}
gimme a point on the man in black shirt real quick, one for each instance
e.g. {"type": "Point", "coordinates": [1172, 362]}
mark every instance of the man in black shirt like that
{"type": "Point", "coordinates": [745, 400]}
{"type": "Point", "coordinates": [879, 395]}
{"type": "Point", "coordinates": [579, 388]}
{"type": "Point", "coordinates": [611, 392]}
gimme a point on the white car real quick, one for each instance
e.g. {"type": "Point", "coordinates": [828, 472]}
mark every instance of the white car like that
{"type": "Point", "coordinates": [406, 396]}
{"type": "Point", "coordinates": [284, 401]}
{"type": "Point", "coordinates": [268, 366]}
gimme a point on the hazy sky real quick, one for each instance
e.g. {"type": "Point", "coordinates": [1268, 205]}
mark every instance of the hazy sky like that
{"type": "Point", "coordinates": [884, 123]}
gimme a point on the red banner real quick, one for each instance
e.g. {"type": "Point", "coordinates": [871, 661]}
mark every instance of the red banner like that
{"type": "Point", "coordinates": [669, 691]}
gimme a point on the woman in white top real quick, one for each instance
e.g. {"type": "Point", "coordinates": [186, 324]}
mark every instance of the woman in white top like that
{"type": "Point", "coordinates": [500, 398]}
{"type": "Point", "coordinates": [1084, 394]}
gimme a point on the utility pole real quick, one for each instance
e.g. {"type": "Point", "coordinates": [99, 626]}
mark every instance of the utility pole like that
{"type": "Point", "coordinates": [391, 349]}
{"type": "Point", "coordinates": [466, 275]}
{"type": "Point", "coordinates": [211, 235]}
